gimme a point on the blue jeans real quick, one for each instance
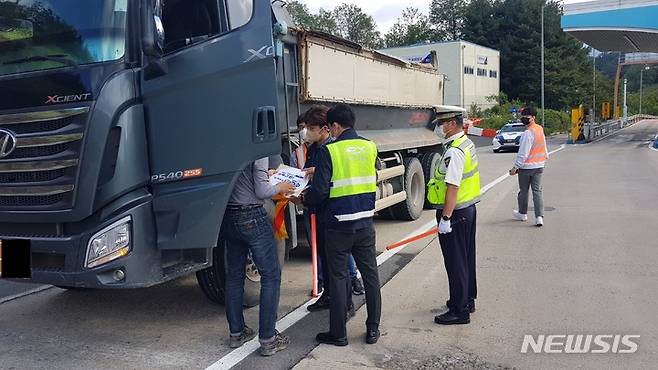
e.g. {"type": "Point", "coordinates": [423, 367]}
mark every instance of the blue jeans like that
{"type": "Point", "coordinates": [251, 231]}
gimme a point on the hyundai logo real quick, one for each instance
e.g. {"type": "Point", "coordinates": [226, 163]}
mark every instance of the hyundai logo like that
{"type": "Point", "coordinates": [7, 142]}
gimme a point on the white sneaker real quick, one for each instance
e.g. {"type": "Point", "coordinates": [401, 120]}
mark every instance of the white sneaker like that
{"type": "Point", "coordinates": [519, 216]}
{"type": "Point", "coordinates": [540, 221]}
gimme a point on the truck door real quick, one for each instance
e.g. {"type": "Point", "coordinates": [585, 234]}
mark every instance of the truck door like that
{"type": "Point", "coordinates": [211, 113]}
{"type": "Point", "coordinates": [215, 107]}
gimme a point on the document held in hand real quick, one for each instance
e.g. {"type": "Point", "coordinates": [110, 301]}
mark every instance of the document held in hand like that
{"type": "Point", "coordinates": [292, 175]}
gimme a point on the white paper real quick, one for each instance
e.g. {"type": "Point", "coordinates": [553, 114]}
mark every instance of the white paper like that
{"type": "Point", "coordinates": [292, 175]}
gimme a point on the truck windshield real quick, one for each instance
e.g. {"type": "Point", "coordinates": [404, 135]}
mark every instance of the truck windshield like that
{"type": "Point", "coordinates": [44, 34]}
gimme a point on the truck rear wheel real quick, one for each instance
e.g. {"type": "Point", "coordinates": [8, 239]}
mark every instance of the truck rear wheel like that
{"type": "Point", "coordinates": [429, 162]}
{"type": "Point", "coordinates": [414, 185]}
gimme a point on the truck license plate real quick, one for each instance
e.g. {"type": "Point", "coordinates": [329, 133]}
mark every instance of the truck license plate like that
{"type": "Point", "coordinates": [15, 259]}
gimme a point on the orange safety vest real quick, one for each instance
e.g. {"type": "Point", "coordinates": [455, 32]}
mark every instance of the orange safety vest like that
{"type": "Point", "coordinates": [301, 153]}
{"type": "Point", "coordinates": [538, 153]}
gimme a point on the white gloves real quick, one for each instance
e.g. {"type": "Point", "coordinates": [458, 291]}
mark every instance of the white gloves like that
{"type": "Point", "coordinates": [444, 227]}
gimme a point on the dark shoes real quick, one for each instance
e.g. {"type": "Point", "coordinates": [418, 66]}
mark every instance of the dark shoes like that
{"type": "Point", "coordinates": [321, 304]}
{"type": "Point", "coordinates": [327, 338]}
{"type": "Point", "coordinates": [246, 335]}
{"type": "Point", "coordinates": [357, 287]}
{"type": "Point", "coordinates": [372, 336]}
{"type": "Point", "coordinates": [279, 343]}
{"type": "Point", "coordinates": [451, 318]}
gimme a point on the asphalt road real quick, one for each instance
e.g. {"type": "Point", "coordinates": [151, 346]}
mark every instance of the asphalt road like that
{"type": "Point", "coordinates": [173, 325]}
{"type": "Point", "coordinates": [591, 270]}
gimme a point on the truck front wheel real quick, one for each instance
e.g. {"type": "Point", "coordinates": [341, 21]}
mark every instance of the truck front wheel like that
{"type": "Point", "coordinates": [212, 280]}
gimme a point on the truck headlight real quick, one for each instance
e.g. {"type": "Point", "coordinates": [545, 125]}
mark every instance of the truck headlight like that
{"type": "Point", "coordinates": [109, 244]}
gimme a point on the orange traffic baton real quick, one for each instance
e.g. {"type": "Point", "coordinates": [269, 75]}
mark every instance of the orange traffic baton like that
{"type": "Point", "coordinates": [314, 256]}
{"type": "Point", "coordinates": [412, 239]}
{"type": "Point", "coordinates": [431, 232]}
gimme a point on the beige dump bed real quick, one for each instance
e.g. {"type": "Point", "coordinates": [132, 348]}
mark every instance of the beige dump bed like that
{"type": "Point", "coordinates": [336, 70]}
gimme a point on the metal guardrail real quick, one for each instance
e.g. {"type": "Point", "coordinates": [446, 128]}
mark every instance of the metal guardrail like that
{"type": "Point", "coordinates": [595, 131]}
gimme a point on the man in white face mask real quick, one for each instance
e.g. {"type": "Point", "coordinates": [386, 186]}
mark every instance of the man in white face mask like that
{"type": "Point", "coordinates": [454, 190]}
{"type": "Point", "coordinates": [300, 154]}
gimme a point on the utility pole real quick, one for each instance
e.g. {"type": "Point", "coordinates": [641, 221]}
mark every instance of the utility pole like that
{"type": "Point", "coordinates": [641, 71]}
{"type": "Point", "coordinates": [625, 114]}
{"type": "Point", "coordinates": [543, 106]}
{"type": "Point", "coordinates": [594, 90]}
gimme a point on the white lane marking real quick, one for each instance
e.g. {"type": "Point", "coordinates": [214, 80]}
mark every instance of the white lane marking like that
{"type": "Point", "coordinates": [237, 355]}
{"type": "Point", "coordinates": [558, 149]}
{"type": "Point", "coordinates": [490, 185]}
{"type": "Point", "coordinates": [23, 294]}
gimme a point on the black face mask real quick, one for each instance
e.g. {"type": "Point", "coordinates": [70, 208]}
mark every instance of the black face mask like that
{"type": "Point", "coordinates": [525, 120]}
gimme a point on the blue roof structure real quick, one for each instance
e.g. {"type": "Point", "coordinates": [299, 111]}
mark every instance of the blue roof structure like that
{"type": "Point", "coordinates": [614, 25]}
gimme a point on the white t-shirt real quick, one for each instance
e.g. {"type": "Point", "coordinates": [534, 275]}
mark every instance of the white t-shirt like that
{"type": "Point", "coordinates": [452, 163]}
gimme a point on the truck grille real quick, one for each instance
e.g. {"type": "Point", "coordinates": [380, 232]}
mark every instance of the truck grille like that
{"type": "Point", "coordinates": [39, 158]}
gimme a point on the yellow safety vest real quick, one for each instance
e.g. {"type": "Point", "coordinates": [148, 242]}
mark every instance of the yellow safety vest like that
{"type": "Point", "coordinates": [353, 163]}
{"type": "Point", "coordinates": [353, 179]}
{"type": "Point", "coordinates": [469, 189]}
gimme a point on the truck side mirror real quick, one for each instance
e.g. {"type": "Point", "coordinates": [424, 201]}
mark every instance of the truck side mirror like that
{"type": "Point", "coordinates": [153, 36]}
{"type": "Point", "coordinates": [153, 39]}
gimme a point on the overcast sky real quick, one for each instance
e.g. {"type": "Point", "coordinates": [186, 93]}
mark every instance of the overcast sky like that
{"type": "Point", "coordinates": [385, 12]}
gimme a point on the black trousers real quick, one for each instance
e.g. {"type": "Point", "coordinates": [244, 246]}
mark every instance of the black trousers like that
{"type": "Point", "coordinates": [458, 249]}
{"type": "Point", "coordinates": [339, 244]}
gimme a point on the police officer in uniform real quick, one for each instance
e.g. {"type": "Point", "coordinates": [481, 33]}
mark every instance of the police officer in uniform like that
{"type": "Point", "coordinates": [344, 183]}
{"type": "Point", "coordinates": [454, 190]}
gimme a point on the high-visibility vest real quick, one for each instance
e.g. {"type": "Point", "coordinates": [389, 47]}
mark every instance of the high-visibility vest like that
{"type": "Point", "coordinates": [469, 188]}
{"type": "Point", "coordinates": [538, 153]}
{"type": "Point", "coordinates": [301, 154]}
{"type": "Point", "coordinates": [353, 179]}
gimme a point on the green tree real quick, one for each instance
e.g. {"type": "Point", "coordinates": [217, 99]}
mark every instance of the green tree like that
{"type": "Point", "coordinates": [632, 74]}
{"type": "Point", "coordinates": [325, 22]}
{"type": "Point", "coordinates": [649, 101]}
{"type": "Point", "coordinates": [411, 28]}
{"type": "Point", "coordinates": [300, 14]}
{"type": "Point", "coordinates": [448, 17]}
{"type": "Point", "coordinates": [480, 23]}
{"type": "Point", "coordinates": [607, 64]}
{"type": "Point", "coordinates": [355, 25]}
{"type": "Point", "coordinates": [346, 20]}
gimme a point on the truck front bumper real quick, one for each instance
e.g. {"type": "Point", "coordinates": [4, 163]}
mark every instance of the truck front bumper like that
{"type": "Point", "coordinates": [61, 260]}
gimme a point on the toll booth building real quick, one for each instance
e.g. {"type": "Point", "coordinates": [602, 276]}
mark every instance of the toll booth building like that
{"type": "Point", "coordinates": [472, 71]}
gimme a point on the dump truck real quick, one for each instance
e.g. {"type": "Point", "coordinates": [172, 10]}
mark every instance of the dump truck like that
{"type": "Point", "coordinates": [124, 124]}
